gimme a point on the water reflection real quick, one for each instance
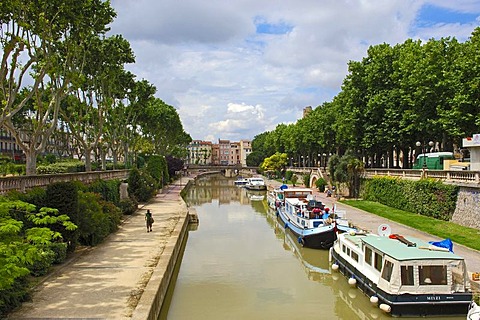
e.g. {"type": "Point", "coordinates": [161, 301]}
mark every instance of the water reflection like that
{"type": "Point", "coordinates": [241, 264]}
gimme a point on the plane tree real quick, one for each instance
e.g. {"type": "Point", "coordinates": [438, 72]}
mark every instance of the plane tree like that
{"type": "Point", "coordinates": [44, 43]}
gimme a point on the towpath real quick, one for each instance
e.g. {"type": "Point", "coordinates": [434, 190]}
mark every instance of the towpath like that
{"type": "Point", "coordinates": [108, 281]}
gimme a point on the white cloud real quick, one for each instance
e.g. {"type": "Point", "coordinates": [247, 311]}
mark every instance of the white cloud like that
{"type": "Point", "coordinates": [229, 82]}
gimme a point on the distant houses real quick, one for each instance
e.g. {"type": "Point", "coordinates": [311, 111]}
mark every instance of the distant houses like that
{"type": "Point", "coordinates": [225, 152]}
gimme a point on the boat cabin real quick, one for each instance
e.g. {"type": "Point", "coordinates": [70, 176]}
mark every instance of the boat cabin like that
{"type": "Point", "coordinates": [401, 266]}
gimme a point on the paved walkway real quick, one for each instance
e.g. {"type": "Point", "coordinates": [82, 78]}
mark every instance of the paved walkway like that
{"type": "Point", "coordinates": [106, 282]}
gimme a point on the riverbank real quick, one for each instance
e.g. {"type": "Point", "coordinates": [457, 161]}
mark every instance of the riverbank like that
{"type": "Point", "coordinates": [125, 277]}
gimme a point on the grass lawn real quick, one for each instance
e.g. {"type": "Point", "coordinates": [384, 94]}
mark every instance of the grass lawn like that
{"type": "Point", "coordinates": [468, 237]}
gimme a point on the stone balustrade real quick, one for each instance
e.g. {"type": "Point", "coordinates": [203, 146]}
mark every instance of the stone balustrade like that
{"type": "Point", "coordinates": [23, 183]}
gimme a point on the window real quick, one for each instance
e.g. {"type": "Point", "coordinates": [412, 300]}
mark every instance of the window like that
{"type": "Point", "coordinates": [387, 270]}
{"type": "Point", "coordinates": [432, 275]}
{"type": "Point", "coordinates": [355, 256]}
{"type": "Point", "coordinates": [378, 261]}
{"type": "Point", "coordinates": [368, 255]}
{"type": "Point", "coordinates": [406, 274]}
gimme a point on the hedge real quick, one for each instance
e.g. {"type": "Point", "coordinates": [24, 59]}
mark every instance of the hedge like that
{"type": "Point", "coordinates": [427, 197]}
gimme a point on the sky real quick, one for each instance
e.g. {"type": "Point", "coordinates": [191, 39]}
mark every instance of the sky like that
{"type": "Point", "coordinates": [235, 69]}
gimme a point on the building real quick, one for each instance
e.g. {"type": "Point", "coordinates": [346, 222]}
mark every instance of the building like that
{"type": "Point", "coordinates": [473, 145]}
{"type": "Point", "coordinates": [199, 152]}
{"type": "Point", "coordinates": [225, 152]}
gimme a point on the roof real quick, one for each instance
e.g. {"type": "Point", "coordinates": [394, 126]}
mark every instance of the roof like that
{"type": "Point", "coordinates": [402, 252]}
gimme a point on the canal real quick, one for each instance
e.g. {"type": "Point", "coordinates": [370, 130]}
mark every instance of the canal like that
{"type": "Point", "coordinates": [239, 263]}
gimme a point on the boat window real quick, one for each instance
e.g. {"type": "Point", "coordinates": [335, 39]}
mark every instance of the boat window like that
{"type": "Point", "coordinates": [407, 275]}
{"type": "Point", "coordinates": [354, 256]}
{"type": "Point", "coordinates": [387, 270]}
{"type": "Point", "coordinates": [432, 275]}
{"type": "Point", "coordinates": [368, 255]}
{"type": "Point", "coordinates": [344, 248]}
{"type": "Point", "coordinates": [378, 261]}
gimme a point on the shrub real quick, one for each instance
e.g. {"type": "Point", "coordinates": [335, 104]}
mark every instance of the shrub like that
{"type": "Point", "coordinates": [62, 167]}
{"type": "Point", "coordinates": [14, 296]}
{"type": "Point", "coordinates": [41, 265]}
{"type": "Point", "coordinates": [93, 224]}
{"type": "Point", "coordinates": [426, 196]}
{"type": "Point", "coordinates": [64, 197]}
{"type": "Point", "coordinates": [60, 251]}
{"type": "Point", "coordinates": [128, 206]}
{"type": "Point", "coordinates": [140, 185]}
{"type": "Point", "coordinates": [288, 175]}
{"type": "Point", "coordinates": [306, 180]}
{"type": "Point", "coordinates": [321, 184]}
{"type": "Point", "coordinates": [109, 190]}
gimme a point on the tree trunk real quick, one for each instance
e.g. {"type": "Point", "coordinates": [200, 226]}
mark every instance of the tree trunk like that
{"type": "Point", "coordinates": [31, 162]}
{"type": "Point", "coordinates": [88, 160]}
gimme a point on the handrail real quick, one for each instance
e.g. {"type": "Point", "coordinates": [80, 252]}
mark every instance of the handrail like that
{"type": "Point", "coordinates": [23, 183]}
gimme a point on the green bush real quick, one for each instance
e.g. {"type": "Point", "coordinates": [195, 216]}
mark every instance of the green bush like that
{"type": "Point", "coordinates": [64, 197]}
{"type": "Point", "coordinates": [14, 296]}
{"type": "Point", "coordinates": [60, 250]}
{"type": "Point", "coordinates": [128, 206]}
{"type": "Point", "coordinates": [108, 189]}
{"type": "Point", "coordinates": [41, 265]}
{"type": "Point", "coordinates": [306, 180]}
{"type": "Point", "coordinates": [113, 213]}
{"type": "Point", "coordinates": [427, 197]}
{"type": "Point", "coordinates": [62, 167]}
{"type": "Point", "coordinates": [321, 184]}
{"type": "Point", "coordinates": [94, 224]}
{"type": "Point", "coordinates": [141, 185]}
{"type": "Point", "coordinates": [288, 175]}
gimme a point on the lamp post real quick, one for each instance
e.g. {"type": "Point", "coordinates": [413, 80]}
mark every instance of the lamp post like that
{"type": "Point", "coordinates": [303, 162]}
{"type": "Point", "coordinates": [422, 144]}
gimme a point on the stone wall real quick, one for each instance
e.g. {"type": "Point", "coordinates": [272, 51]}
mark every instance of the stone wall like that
{"type": "Point", "coordinates": [467, 211]}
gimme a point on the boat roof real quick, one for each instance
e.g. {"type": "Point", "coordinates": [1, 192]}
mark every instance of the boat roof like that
{"type": "Point", "coordinates": [401, 251]}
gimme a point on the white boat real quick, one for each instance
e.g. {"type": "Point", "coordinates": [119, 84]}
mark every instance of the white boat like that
{"type": "Point", "coordinates": [241, 181]}
{"type": "Point", "coordinates": [256, 197]}
{"type": "Point", "coordinates": [256, 183]}
{"type": "Point", "coordinates": [473, 311]}
{"type": "Point", "coordinates": [404, 276]}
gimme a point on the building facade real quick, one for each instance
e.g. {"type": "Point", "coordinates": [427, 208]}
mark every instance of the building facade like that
{"type": "Point", "coordinates": [225, 152]}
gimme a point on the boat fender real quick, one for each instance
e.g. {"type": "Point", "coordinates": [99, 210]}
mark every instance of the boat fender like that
{"type": "Point", "coordinates": [286, 226]}
{"type": "Point", "coordinates": [385, 307]}
{"type": "Point", "coordinates": [374, 300]}
{"type": "Point", "coordinates": [301, 241]}
{"type": "Point", "coordinates": [352, 281]}
{"type": "Point", "coordinates": [334, 266]}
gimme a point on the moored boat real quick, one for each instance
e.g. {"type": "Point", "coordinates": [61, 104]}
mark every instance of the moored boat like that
{"type": "Point", "coordinates": [241, 181]}
{"type": "Point", "coordinates": [306, 221]}
{"type": "Point", "coordinates": [255, 183]}
{"type": "Point", "coordinates": [404, 276]}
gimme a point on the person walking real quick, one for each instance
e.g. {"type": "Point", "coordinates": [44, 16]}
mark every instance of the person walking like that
{"type": "Point", "coordinates": [149, 220]}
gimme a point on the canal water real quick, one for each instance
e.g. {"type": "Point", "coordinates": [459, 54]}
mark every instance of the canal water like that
{"type": "Point", "coordinates": [239, 263]}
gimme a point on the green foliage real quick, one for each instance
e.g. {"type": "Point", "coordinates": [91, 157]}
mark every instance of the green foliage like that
{"type": "Point", "coordinates": [35, 196]}
{"type": "Point", "coordinates": [13, 169]}
{"type": "Point", "coordinates": [128, 206]}
{"type": "Point", "coordinates": [321, 183]}
{"type": "Point", "coordinates": [64, 197]}
{"type": "Point", "coordinates": [62, 167]}
{"type": "Point", "coordinates": [12, 297]}
{"type": "Point", "coordinates": [288, 175]}
{"type": "Point", "coordinates": [108, 189]}
{"type": "Point", "coordinates": [60, 250]}
{"type": "Point", "coordinates": [156, 166]}
{"type": "Point", "coordinates": [294, 179]}
{"type": "Point", "coordinates": [276, 162]}
{"type": "Point", "coordinates": [306, 180]}
{"type": "Point", "coordinates": [427, 197]}
{"type": "Point", "coordinates": [141, 186]}
{"type": "Point", "coordinates": [113, 213]}
{"type": "Point", "coordinates": [94, 224]}
{"type": "Point", "coordinates": [442, 229]}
